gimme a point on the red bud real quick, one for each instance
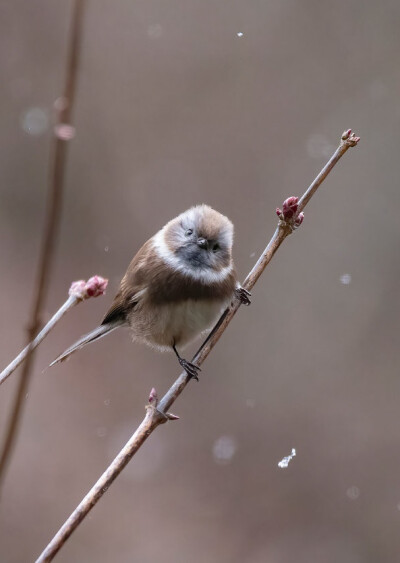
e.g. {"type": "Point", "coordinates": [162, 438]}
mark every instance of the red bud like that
{"type": "Point", "coordinates": [289, 207]}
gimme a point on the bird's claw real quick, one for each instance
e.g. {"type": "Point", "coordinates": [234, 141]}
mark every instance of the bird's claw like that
{"type": "Point", "coordinates": [191, 369]}
{"type": "Point", "coordinates": [243, 295]}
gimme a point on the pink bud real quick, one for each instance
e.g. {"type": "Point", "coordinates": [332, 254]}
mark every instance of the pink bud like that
{"type": "Point", "coordinates": [96, 286]}
{"type": "Point", "coordinates": [278, 211]}
{"type": "Point", "coordinates": [299, 219]}
{"type": "Point", "coordinates": [289, 207]}
{"type": "Point", "coordinates": [78, 289]}
{"type": "Point", "coordinates": [153, 396]}
{"type": "Point", "coordinates": [64, 131]}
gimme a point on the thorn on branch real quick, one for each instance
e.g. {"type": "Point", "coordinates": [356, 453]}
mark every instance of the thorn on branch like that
{"type": "Point", "coordinates": [153, 401]}
{"type": "Point", "coordinates": [288, 214]}
{"type": "Point", "coordinates": [94, 287]}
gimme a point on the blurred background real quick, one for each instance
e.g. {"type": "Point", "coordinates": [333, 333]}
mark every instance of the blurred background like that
{"type": "Point", "coordinates": [236, 104]}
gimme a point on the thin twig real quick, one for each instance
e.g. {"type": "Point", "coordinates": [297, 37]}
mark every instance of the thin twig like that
{"type": "Point", "coordinates": [63, 132]}
{"type": "Point", "coordinates": [156, 412]}
{"type": "Point", "coordinates": [78, 292]}
{"type": "Point", "coordinates": [70, 302]}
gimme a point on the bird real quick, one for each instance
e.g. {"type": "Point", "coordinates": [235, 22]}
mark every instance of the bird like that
{"type": "Point", "coordinates": [176, 286]}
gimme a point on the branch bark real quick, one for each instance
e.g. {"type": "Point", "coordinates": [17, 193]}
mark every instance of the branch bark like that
{"type": "Point", "coordinates": [157, 412]}
{"type": "Point", "coordinates": [63, 132]}
{"type": "Point", "coordinates": [78, 292]}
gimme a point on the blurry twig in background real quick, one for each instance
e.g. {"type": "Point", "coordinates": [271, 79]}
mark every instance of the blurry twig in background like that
{"type": "Point", "coordinates": [63, 132]}
{"type": "Point", "coordinates": [290, 217]}
{"type": "Point", "coordinates": [78, 292]}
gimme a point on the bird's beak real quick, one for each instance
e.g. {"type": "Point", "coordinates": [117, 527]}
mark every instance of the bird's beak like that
{"type": "Point", "coordinates": [202, 243]}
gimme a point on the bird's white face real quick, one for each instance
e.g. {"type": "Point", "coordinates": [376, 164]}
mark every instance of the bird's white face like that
{"type": "Point", "coordinates": [199, 243]}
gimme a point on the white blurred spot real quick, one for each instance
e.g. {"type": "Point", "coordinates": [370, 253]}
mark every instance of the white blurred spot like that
{"type": "Point", "coordinates": [239, 34]}
{"type": "Point", "coordinates": [286, 460]}
{"type": "Point", "coordinates": [353, 492]}
{"type": "Point", "coordinates": [34, 121]}
{"type": "Point", "coordinates": [318, 146]}
{"type": "Point", "coordinates": [154, 31]}
{"type": "Point", "coordinates": [250, 403]}
{"type": "Point", "coordinates": [106, 249]}
{"type": "Point", "coordinates": [101, 431]}
{"type": "Point", "coordinates": [252, 255]}
{"type": "Point", "coordinates": [345, 279]}
{"type": "Point", "coordinates": [224, 449]}
{"type": "Point", "coordinates": [107, 402]}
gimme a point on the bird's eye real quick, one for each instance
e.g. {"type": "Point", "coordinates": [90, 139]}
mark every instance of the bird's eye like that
{"type": "Point", "coordinates": [215, 247]}
{"type": "Point", "coordinates": [188, 232]}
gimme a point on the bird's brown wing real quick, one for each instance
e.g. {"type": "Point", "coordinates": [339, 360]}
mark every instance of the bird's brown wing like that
{"type": "Point", "coordinates": [133, 286]}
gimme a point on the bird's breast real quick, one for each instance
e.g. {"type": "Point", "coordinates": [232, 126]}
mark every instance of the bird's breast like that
{"type": "Point", "coordinates": [175, 323]}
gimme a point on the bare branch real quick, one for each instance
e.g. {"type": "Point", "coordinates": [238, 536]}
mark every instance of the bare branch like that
{"type": "Point", "coordinates": [63, 132]}
{"type": "Point", "coordinates": [78, 292]}
{"type": "Point", "coordinates": [156, 412]}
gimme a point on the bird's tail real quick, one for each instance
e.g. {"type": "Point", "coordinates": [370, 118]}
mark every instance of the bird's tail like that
{"type": "Point", "coordinates": [95, 334]}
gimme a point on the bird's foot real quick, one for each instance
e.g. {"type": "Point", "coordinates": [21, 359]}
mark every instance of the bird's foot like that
{"type": "Point", "coordinates": [191, 369]}
{"type": "Point", "coordinates": [243, 295]}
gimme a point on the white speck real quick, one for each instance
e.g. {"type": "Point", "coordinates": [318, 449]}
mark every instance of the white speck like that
{"type": "Point", "coordinates": [224, 449]}
{"type": "Point", "coordinates": [34, 121]}
{"type": "Point", "coordinates": [345, 279]}
{"type": "Point", "coordinates": [250, 403]}
{"type": "Point", "coordinates": [239, 34]}
{"type": "Point", "coordinates": [101, 431]}
{"type": "Point", "coordinates": [353, 492]}
{"type": "Point", "coordinates": [154, 31]}
{"type": "Point", "coordinates": [318, 146]}
{"type": "Point", "coordinates": [252, 255]}
{"type": "Point", "coordinates": [103, 242]}
{"type": "Point", "coordinates": [286, 460]}
{"type": "Point", "coordinates": [107, 402]}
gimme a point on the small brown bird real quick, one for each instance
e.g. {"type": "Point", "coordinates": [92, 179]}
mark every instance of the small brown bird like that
{"type": "Point", "coordinates": [176, 286]}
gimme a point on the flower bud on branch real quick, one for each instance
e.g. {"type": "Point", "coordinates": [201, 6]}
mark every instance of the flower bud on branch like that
{"type": "Point", "coordinates": [79, 291]}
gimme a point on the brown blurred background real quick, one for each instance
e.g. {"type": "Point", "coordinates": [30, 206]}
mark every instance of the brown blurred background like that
{"type": "Point", "coordinates": [236, 104]}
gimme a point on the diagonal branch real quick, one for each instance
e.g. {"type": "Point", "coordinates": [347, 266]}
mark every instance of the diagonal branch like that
{"type": "Point", "coordinates": [63, 132]}
{"type": "Point", "coordinates": [78, 292]}
{"type": "Point", "coordinates": [156, 412]}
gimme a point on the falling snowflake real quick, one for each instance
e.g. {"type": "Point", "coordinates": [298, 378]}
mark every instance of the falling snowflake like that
{"type": "Point", "coordinates": [286, 460]}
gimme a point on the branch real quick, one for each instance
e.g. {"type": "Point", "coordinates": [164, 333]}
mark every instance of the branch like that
{"type": "Point", "coordinates": [78, 292]}
{"type": "Point", "coordinates": [63, 132]}
{"type": "Point", "coordinates": [156, 412]}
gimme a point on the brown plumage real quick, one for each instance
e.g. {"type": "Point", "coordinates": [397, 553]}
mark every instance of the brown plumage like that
{"type": "Point", "coordinates": [176, 285]}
